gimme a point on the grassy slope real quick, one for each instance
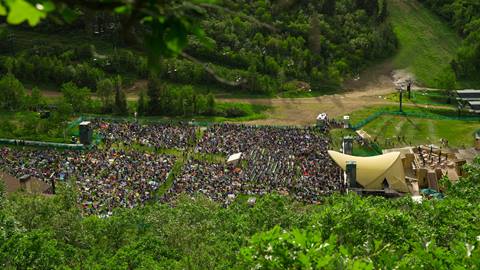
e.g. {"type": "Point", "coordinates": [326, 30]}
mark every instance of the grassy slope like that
{"type": "Point", "coordinates": [423, 131]}
{"type": "Point", "coordinates": [418, 130]}
{"type": "Point", "coordinates": [427, 44]}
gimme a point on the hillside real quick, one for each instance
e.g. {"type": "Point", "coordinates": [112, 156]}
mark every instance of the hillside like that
{"type": "Point", "coordinates": [239, 134]}
{"type": "Point", "coordinates": [464, 17]}
{"type": "Point", "coordinates": [344, 232]}
{"type": "Point", "coordinates": [250, 47]}
{"type": "Point", "coordinates": [426, 43]}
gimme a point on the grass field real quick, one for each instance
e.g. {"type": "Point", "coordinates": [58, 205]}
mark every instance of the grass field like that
{"type": "Point", "coordinates": [427, 44]}
{"type": "Point", "coordinates": [430, 112]}
{"type": "Point", "coordinates": [427, 97]}
{"type": "Point", "coordinates": [422, 131]}
{"type": "Point", "coordinates": [436, 123]}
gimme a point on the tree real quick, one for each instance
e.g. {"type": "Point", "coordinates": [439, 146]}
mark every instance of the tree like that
{"type": "Point", "coordinates": [314, 35]}
{"type": "Point", "coordinates": [105, 89]}
{"type": "Point", "coordinates": [201, 104]}
{"type": "Point", "coordinates": [141, 106]}
{"type": "Point", "coordinates": [169, 23]}
{"type": "Point", "coordinates": [329, 7]}
{"type": "Point", "coordinates": [447, 81]}
{"type": "Point", "coordinates": [35, 249]}
{"type": "Point", "coordinates": [154, 92]}
{"type": "Point", "coordinates": [63, 111]}
{"type": "Point", "coordinates": [121, 106]}
{"type": "Point", "coordinates": [12, 93]}
{"type": "Point", "coordinates": [382, 16]}
{"type": "Point", "coordinates": [78, 97]}
{"type": "Point", "coordinates": [36, 99]}
{"type": "Point", "coordinates": [210, 104]}
{"type": "Point", "coordinates": [3, 192]}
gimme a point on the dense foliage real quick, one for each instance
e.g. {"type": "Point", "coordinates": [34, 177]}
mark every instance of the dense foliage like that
{"type": "Point", "coordinates": [464, 15]}
{"type": "Point", "coordinates": [345, 231]}
{"type": "Point", "coordinates": [254, 46]}
{"type": "Point", "coordinates": [166, 25]}
{"type": "Point", "coordinates": [319, 42]}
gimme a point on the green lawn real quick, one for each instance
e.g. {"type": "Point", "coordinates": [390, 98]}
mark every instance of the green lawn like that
{"type": "Point", "coordinates": [426, 97]}
{"type": "Point", "coordinates": [430, 112]}
{"type": "Point", "coordinates": [435, 123]}
{"type": "Point", "coordinates": [358, 150]}
{"type": "Point", "coordinates": [427, 44]}
{"type": "Point", "coordinates": [422, 131]}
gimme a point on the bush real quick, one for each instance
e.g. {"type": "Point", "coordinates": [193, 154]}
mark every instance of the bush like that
{"type": "Point", "coordinates": [366, 233]}
{"type": "Point", "coordinates": [12, 93]}
{"type": "Point", "coordinates": [78, 98]}
{"type": "Point", "coordinates": [233, 112]}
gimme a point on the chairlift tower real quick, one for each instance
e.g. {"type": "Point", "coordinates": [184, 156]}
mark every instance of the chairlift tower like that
{"type": "Point", "coordinates": [409, 87]}
{"type": "Point", "coordinates": [400, 90]}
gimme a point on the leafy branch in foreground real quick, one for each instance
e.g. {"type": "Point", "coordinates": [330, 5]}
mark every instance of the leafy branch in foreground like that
{"type": "Point", "coordinates": [166, 25]}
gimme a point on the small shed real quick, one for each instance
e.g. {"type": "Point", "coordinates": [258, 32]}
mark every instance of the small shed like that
{"type": "Point", "coordinates": [27, 183]}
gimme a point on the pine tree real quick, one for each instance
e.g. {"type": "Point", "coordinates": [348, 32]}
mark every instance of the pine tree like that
{"type": "Point", "coordinates": [121, 107]}
{"type": "Point", "coordinates": [382, 16]}
{"type": "Point", "coordinates": [105, 92]}
{"type": "Point", "coordinates": [153, 93]}
{"type": "Point", "coordinates": [329, 7]}
{"type": "Point", "coordinates": [141, 106]}
{"type": "Point", "coordinates": [36, 99]}
{"type": "Point", "coordinates": [210, 104]}
{"type": "Point", "coordinates": [314, 34]}
{"type": "Point", "coordinates": [370, 6]}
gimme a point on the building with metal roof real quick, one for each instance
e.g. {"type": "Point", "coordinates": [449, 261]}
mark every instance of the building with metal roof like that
{"type": "Point", "coordinates": [470, 98]}
{"type": "Point", "coordinates": [469, 94]}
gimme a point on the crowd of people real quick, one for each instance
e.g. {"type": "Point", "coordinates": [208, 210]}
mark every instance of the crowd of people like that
{"type": "Point", "coordinates": [105, 179]}
{"type": "Point", "coordinates": [232, 138]}
{"type": "Point", "coordinates": [286, 160]}
{"type": "Point", "coordinates": [162, 136]}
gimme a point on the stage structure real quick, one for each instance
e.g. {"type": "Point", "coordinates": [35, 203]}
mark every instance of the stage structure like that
{"type": "Point", "coordinates": [371, 172]}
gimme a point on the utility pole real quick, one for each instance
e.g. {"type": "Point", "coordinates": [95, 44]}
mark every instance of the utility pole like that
{"type": "Point", "coordinates": [400, 90]}
{"type": "Point", "coordinates": [409, 87]}
{"type": "Point", "coordinates": [401, 101]}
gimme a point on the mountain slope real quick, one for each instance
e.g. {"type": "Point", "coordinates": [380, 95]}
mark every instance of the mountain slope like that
{"type": "Point", "coordinates": [426, 43]}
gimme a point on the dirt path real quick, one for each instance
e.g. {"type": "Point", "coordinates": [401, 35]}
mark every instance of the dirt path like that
{"type": "Point", "coordinates": [303, 111]}
{"type": "Point", "coordinates": [369, 89]}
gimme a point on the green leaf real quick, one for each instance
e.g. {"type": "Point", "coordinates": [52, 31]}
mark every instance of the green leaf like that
{"type": "Point", "coordinates": [21, 10]}
{"type": "Point", "coordinates": [123, 9]}
{"type": "Point", "coordinates": [48, 6]}
{"type": "Point", "coordinates": [3, 10]}
{"type": "Point", "coordinates": [68, 14]}
{"type": "Point", "coordinates": [176, 38]}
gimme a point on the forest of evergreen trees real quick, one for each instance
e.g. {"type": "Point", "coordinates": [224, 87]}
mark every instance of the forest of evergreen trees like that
{"type": "Point", "coordinates": [253, 46]}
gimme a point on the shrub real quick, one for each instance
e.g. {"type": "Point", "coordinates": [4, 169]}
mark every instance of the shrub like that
{"type": "Point", "coordinates": [12, 93]}
{"type": "Point", "coordinates": [78, 98]}
{"type": "Point", "coordinates": [233, 112]}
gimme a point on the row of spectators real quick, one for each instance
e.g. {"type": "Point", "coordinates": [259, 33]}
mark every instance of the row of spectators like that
{"type": "Point", "coordinates": [105, 178]}
{"type": "Point", "coordinates": [286, 160]}
{"type": "Point", "coordinates": [166, 136]}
